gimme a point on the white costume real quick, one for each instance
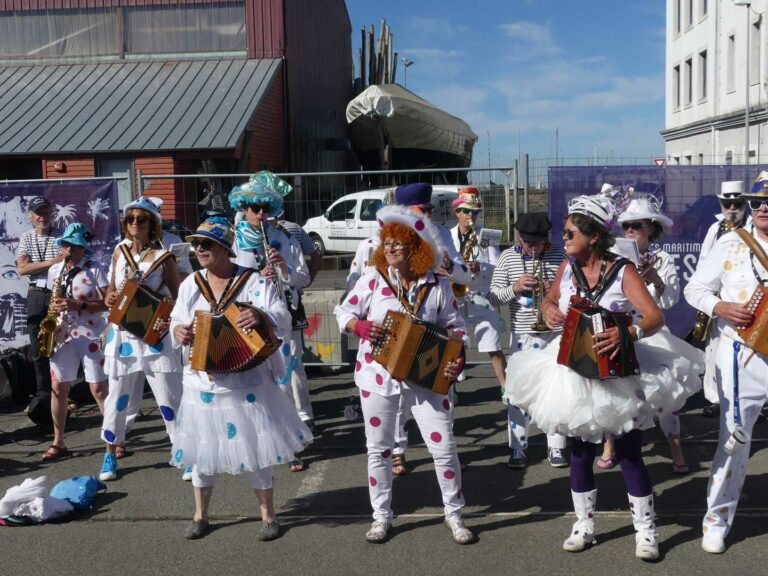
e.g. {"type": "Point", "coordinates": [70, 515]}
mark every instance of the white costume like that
{"type": "Point", "coordinates": [239, 422]}
{"type": "Point", "coordinates": [728, 270]}
{"type": "Point", "coordinates": [380, 393]}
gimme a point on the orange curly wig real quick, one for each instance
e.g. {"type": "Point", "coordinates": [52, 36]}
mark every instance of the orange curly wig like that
{"type": "Point", "coordinates": [422, 257]}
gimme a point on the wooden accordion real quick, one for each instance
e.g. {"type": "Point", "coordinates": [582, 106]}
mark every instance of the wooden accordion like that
{"type": "Point", "coordinates": [221, 347]}
{"type": "Point", "coordinates": [585, 319]}
{"type": "Point", "coordinates": [417, 352]}
{"type": "Point", "coordinates": [756, 334]}
{"type": "Point", "coordinates": [139, 310]}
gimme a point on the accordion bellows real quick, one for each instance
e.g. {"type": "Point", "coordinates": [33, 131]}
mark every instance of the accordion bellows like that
{"type": "Point", "coordinates": [417, 352]}
{"type": "Point", "coordinates": [138, 309]}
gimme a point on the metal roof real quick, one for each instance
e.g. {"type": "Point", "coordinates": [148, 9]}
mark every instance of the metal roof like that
{"type": "Point", "coordinates": [130, 106]}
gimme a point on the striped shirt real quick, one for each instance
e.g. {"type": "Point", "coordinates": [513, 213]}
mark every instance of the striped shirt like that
{"type": "Point", "coordinates": [38, 248]}
{"type": "Point", "coordinates": [509, 269]}
{"type": "Point", "coordinates": [308, 246]}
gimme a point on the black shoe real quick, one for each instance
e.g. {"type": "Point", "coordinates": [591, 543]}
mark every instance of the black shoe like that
{"type": "Point", "coordinates": [269, 531]}
{"type": "Point", "coordinates": [516, 460]}
{"type": "Point", "coordinates": [196, 529]}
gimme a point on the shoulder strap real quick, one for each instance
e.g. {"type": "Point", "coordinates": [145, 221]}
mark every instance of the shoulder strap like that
{"type": "Point", "coordinates": [610, 276]}
{"type": "Point", "coordinates": [157, 263]}
{"type": "Point", "coordinates": [754, 246]}
{"type": "Point", "coordinates": [129, 258]}
{"type": "Point", "coordinates": [207, 293]}
{"type": "Point", "coordinates": [425, 288]}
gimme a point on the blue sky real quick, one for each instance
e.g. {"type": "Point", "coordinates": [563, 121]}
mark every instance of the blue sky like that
{"type": "Point", "coordinates": [593, 70]}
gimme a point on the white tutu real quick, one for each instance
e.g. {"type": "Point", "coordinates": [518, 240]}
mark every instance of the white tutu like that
{"type": "Point", "coordinates": [561, 401]}
{"type": "Point", "coordinates": [239, 430]}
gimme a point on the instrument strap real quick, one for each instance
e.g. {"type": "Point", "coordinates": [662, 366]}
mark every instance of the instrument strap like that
{"type": "Point", "coordinates": [604, 281]}
{"type": "Point", "coordinates": [736, 403]}
{"type": "Point", "coordinates": [135, 267]}
{"type": "Point", "coordinates": [236, 282]}
{"type": "Point", "coordinates": [421, 296]}
{"type": "Point", "coordinates": [756, 250]}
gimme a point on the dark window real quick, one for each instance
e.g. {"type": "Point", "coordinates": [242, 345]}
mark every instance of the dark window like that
{"type": "Point", "coordinates": [342, 211]}
{"type": "Point", "coordinates": [368, 209]}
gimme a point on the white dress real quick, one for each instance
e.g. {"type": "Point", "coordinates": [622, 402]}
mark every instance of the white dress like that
{"type": "Point", "coordinates": [562, 401]}
{"type": "Point", "coordinates": [238, 422]}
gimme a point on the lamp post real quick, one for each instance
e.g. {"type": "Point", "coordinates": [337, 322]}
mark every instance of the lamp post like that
{"type": "Point", "coordinates": [746, 4]}
{"type": "Point", "coordinates": [406, 64]}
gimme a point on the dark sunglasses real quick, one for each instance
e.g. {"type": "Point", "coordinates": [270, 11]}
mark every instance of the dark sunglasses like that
{"type": "Point", "coordinates": [632, 225]}
{"type": "Point", "coordinates": [266, 208]}
{"type": "Point", "coordinates": [204, 244]}
{"type": "Point", "coordinates": [569, 234]}
{"type": "Point", "coordinates": [757, 204]}
{"type": "Point", "coordinates": [732, 202]}
{"type": "Point", "coordinates": [469, 211]}
{"type": "Point", "coordinates": [137, 219]}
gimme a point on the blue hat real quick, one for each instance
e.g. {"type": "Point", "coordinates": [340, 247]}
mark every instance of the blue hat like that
{"type": "Point", "coordinates": [262, 188]}
{"type": "Point", "coordinates": [413, 194]}
{"type": "Point", "coordinates": [217, 229]}
{"type": "Point", "coordinates": [77, 234]}
{"type": "Point", "coordinates": [144, 203]}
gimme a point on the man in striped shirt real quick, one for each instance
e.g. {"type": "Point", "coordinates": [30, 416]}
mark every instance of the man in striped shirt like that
{"type": "Point", "coordinates": [513, 283]}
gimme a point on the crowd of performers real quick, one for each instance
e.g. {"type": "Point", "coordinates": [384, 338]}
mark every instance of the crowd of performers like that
{"type": "Point", "coordinates": [245, 418]}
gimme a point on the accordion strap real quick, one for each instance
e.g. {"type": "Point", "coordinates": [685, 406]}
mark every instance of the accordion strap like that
{"type": "Point", "coordinates": [757, 250]}
{"type": "Point", "coordinates": [420, 297]}
{"type": "Point", "coordinates": [135, 267]}
{"type": "Point", "coordinates": [603, 284]}
{"type": "Point", "coordinates": [230, 292]}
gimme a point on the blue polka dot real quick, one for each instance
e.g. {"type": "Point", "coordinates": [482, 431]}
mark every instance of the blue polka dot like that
{"type": "Point", "coordinates": [109, 436]}
{"type": "Point", "coordinates": [179, 454]}
{"type": "Point", "coordinates": [110, 334]}
{"type": "Point", "coordinates": [125, 349]}
{"type": "Point", "coordinates": [513, 425]}
{"type": "Point", "coordinates": [122, 402]}
{"type": "Point", "coordinates": [286, 349]}
{"type": "Point", "coordinates": [279, 458]}
{"type": "Point", "coordinates": [231, 430]}
{"type": "Point", "coordinates": [256, 293]}
{"type": "Point", "coordinates": [168, 413]}
{"type": "Point", "coordinates": [535, 344]}
{"type": "Point", "coordinates": [242, 465]}
{"type": "Point", "coordinates": [519, 345]}
{"type": "Point", "coordinates": [206, 397]}
{"type": "Point", "coordinates": [301, 437]}
{"type": "Point", "coordinates": [251, 397]}
{"type": "Point", "coordinates": [522, 438]}
{"type": "Point", "coordinates": [261, 281]}
{"type": "Point", "coordinates": [157, 348]}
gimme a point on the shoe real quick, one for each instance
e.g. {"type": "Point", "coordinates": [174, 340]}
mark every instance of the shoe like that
{"type": "Point", "coordinates": [378, 532]}
{"type": "Point", "coordinates": [461, 534]}
{"type": "Point", "coordinates": [55, 452]}
{"type": "Point", "coordinates": [711, 411]}
{"type": "Point", "coordinates": [108, 468]}
{"type": "Point", "coordinates": [583, 531]}
{"type": "Point", "coordinates": [556, 458]}
{"type": "Point", "coordinates": [120, 451]}
{"type": "Point", "coordinates": [516, 459]}
{"type": "Point", "coordinates": [713, 544]}
{"type": "Point", "coordinates": [196, 529]}
{"type": "Point", "coordinates": [680, 469]}
{"type": "Point", "coordinates": [399, 467]}
{"type": "Point", "coordinates": [646, 538]}
{"type": "Point", "coordinates": [269, 531]}
{"type": "Point", "coordinates": [187, 476]}
{"type": "Point", "coordinates": [607, 464]}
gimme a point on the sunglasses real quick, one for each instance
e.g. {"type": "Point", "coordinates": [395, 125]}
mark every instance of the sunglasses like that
{"type": "Point", "coordinates": [469, 211]}
{"type": "Point", "coordinates": [137, 219]}
{"type": "Point", "coordinates": [204, 244]}
{"type": "Point", "coordinates": [732, 202]}
{"type": "Point", "coordinates": [632, 225]}
{"type": "Point", "coordinates": [256, 208]}
{"type": "Point", "coordinates": [569, 234]}
{"type": "Point", "coordinates": [757, 204]}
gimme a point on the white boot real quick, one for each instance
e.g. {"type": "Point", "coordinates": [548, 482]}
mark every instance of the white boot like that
{"type": "Point", "coordinates": [646, 539]}
{"type": "Point", "coordinates": [583, 531]}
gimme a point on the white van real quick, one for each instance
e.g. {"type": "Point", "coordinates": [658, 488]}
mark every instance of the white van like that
{"type": "Point", "coordinates": [352, 218]}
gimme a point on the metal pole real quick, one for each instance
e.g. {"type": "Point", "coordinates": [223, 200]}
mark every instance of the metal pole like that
{"type": "Point", "coordinates": [526, 167]}
{"type": "Point", "coordinates": [746, 106]}
{"type": "Point", "coordinates": [141, 182]}
{"type": "Point", "coordinates": [514, 195]}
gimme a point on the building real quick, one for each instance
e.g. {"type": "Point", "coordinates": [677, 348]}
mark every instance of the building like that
{"type": "Point", "coordinates": [127, 87]}
{"type": "Point", "coordinates": [708, 43]}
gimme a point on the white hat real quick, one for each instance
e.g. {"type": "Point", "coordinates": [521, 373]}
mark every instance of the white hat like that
{"type": "Point", "coordinates": [424, 227]}
{"type": "Point", "coordinates": [645, 207]}
{"type": "Point", "coordinates": [606, 188]}
{"type": "Point", "coordinates": [604, 207]}
{"type": "Point", "coordinates": [156, 201]}
{"type": "Point", "coordinates": [731, 189]}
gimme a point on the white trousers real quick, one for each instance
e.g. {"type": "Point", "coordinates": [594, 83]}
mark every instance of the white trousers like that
{"type": "Point", "coordinates": [434, 416]}
{"type": "Point", "coordinates": [729, 470]}
{"type": "Point", "coordinates": [258, 479]}
{"type": "Point", "coordinates": [299, 389]}
{"type": "Point", "coordinates": [710, 381]}
{"type": "Point", "coordinates": [166, 388]}
{"type": "Point", "coordinates": [519, 421]}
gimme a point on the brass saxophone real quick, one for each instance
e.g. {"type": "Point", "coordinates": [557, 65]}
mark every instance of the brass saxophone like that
{"type": "Point", "coordinates": [460, 290]}
{"type": "Point", "coordinates": [265, 241]}
{"type": "Point", "coordinates": [538, 296]}
{"type": "Point", "coordinates": [49, 326]}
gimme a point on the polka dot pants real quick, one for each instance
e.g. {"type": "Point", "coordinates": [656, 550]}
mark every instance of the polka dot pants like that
{"type": "Point", "coordinates": [434, 416]}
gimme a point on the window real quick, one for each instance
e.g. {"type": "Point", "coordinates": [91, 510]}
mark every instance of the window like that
{"type": "Point", "coordinates": [703, 8]}
{"type": "Point", "coordinates": [689, 14]}
{"type": "Point", "coordinates": [754, 53]}
{"type": "Point", "coordinates": [688, 160]}
{"type": "Point", "coordinates": [688, 79]}
{"type": "Point", "coordinates": [342, 211]}
{"type": "Point", "coordinates": [729, 156]}
{"type": "Point", "coordinates": [676, 16]}
{"type": "Point", "coordinates": [701, 159]}
{"type": "Point", "coordinates": [368, 209]}
{"type": "Point", "coordinates": [703, 75]}
{"type": "Point", "coordinates": [730, 59]}
{"type": "Point", "coordinates": [676, 87]}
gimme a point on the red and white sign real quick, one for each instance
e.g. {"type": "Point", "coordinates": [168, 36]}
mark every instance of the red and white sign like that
{"type": "Point", "coordinates": [660, 161]}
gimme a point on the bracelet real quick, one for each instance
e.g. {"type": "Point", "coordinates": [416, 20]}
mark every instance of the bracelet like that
{"type": "Point", "coordinates": [639, 332]}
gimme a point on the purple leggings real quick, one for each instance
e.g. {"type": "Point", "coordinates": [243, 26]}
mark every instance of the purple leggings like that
{"type": "Point", "coordinates": [629, 454]}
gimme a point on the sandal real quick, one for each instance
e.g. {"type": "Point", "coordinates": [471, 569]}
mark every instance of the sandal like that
{"type": "Point", "coordinates": [711, 411]}
{"type": "Point", "coordinates": [399, 468]}
{"type": "Point", "coordinates": [55, 452]}
{"type": "Point", "coordinates": [604, 464]}
{"type": "Point", "coordinates": [680, 469]}
{"type": "Point", "coordinates": [296, 466]}
{"type": "Point", "coordinates": [120, 451]}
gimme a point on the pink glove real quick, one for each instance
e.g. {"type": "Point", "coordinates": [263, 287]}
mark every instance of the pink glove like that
{"type": "Point", "coordinates": [363, 329]}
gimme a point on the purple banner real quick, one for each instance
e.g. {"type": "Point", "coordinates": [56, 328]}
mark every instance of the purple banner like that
{"type": "Point", "coordinates": [689, 195]}
{"type": "Point", "coordinates": [92, 202]}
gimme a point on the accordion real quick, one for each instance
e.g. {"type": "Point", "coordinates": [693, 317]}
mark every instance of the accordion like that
{"type": "Point", "coordinates": [756, 334]}
{"type": "Point", "coordinates": [139, 310]}
{"type": "Point", "coordinates": [221, 347]}
{"type": "Point", "coordinates": [417, 352]}
{"type": "Point", "coordinates": [585, 319]}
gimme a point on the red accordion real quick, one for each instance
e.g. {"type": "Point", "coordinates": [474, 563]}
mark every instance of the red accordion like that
{"type": "Point", "coordinates": [585, 319]}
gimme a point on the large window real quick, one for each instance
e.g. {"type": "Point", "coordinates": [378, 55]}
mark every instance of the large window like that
{"type": "Point", "coordinates": [754, 53]}
{"type": "Point", "coordinates": [689, 13]}
{"type": "Point", "coordinates": [703, 75]}
{"type": "Point", "coordinates": [688, 82]}
{"type": "Point", "coordinates": [676, 87]}
{"type": "Point", "coordinates": [730, 64]}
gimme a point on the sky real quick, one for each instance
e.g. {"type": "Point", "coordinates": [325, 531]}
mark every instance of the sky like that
{"type": "Point", "coordinates": [524, 70]}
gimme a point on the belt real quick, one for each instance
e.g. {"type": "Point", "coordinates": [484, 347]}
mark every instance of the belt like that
{"type": "Point", "coordinates": [38, 288]}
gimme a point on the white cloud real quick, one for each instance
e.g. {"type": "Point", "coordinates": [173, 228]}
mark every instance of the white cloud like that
{"type": "Point", "coordinates": [530, 40]}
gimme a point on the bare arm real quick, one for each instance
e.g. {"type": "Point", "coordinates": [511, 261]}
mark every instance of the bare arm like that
{"type": "Point", "coordinates": [26, 267]}
{"type": "Point", "coordinates": [550, 308]}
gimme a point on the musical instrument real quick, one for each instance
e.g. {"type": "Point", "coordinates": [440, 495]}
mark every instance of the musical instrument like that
{"type": "Point", "coordinates": [265, 242]}
{"type": "Point", "coordinates": [538, 296]}
{"type": "Point", "coordinates": [755, 335]}
{"type": "Point", "coordinates": [461, 290]}
{"type": "Point", "coordinates": [221, 347]}
{"type": "Point", "coordinates": [585, 319]}
{"type": "Point", "coordinates": [647, 261]}
{"type": "Point", "coordinates": [417, 352]}
{"type": "Point", "coordinates": [49, 326]}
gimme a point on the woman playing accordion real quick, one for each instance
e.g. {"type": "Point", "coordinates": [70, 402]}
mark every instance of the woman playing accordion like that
{"type": "Point", "coordinates": [403, 280]}
{"type": "Point", "coordinates": [591, 409]}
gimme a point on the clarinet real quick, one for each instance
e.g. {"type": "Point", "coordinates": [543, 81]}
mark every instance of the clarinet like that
{"type": "Point", "coordinates": [277, 282]}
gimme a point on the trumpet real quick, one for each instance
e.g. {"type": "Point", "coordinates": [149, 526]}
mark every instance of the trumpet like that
{"type": "Point", "coordinates": [49, 327]}
{"type": "Point", "coordinates": [538, 296]}
{"type": "Point", "coordinates": [461, 290]}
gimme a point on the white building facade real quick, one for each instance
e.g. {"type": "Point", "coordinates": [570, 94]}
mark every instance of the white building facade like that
{"type": "Point", "coordinates": [708, 46]}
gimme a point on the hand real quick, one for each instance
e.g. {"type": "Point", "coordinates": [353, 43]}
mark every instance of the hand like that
{"type": "Point", "coordinates": [163, 324]}
{"type": "Point", "coordinates": [368, 330]}
{"type": "Point", "coordinates": [60, 305]}
{"type": "Point", "coordinates": [268, 272]}
{"type": "Point", "coordinates": [453, 369]}
{"type": "Point", "coordinates": [526, 283]}
{"type": "Point", "coordinates": [249, 318]}
{"type": "Point", "coordinates": [734, 312]}
{"type": "Point", "coordinates": [608, 342]}
{"type": "Point", "coordinates": [651, 276]}
{"type": "Point", "coordinates": [275, 257]}
{"type": "Point", "coordinates": [474, 267]}
{"type": "Point", "coordinates": [110, 300]}
{"type": "Point", "coordinates": [553, 317]}
{"type": "Point", "coordinates": [447, 263]}
{"type": "Point", "coordinates": [183, 334]}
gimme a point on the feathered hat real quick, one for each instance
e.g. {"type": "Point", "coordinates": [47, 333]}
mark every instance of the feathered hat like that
{"type": "Point", "coordinates": [605, 207]}
{"type": "Point", "coordinates": [424, 227]}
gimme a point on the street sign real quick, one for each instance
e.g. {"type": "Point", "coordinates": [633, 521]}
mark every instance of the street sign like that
{"type": "Point", "coordinates": [660, 161]}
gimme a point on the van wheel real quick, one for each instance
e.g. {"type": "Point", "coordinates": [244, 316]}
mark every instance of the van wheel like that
{"type": "Point", "coordinates": [319, 241]}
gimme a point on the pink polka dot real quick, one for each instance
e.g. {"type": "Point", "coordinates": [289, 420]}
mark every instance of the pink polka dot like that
{"type": "Point", "coordinates": [460, 332]}
{"type": "Point", "coordinates": [75, 334]}
{"type": "Point", "coordinates": [436, 436]}
{"type": "Point", "coordinates": [446, 404]}
{"type": "Point", "coordinates": [85, 281]}
{"type": "Point", "coordinates": [354, 299]}
{"type": "Point", "coordinates": [379, 379]}
{"type": "Point", "coordinates": [419, 225]}
{"type": "Point", "coordinates": [372, 481]}
{"type": "Point", "coordinates": [365, 393]}
{"type": "Point", "coordinates": [368, 358]}
{"type": "Point", "coordinates": [375, 421]}
{"type": "Point", "coordinates": [386, 291]}
{"type": "Point", "coordinates": [450, 327]}
{"type": "Point", "coordinates": [371, 284]}
{"type": "Point", "coordinates": [386, 454]}
{"type": "Point", "coordinates": [449, 474]}
{"type": "Point", "coordinates": [358, 366]}
{"type": "Point", "coordinates": [93, 347]}
{"type": "Point", "coordinates": [88, 334]}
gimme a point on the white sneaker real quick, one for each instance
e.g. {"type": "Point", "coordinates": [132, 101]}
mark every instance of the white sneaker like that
{"type": "Point", "coordinates": [461, 534]}
{"type": "Point", "coordinates": [579, 540]}
{"type": "Point", "coordinates": [713, 544]}
{"type": "Point", "coordinates": [378, 532]}
{"type": "Point", "coordinates": [187, 476]}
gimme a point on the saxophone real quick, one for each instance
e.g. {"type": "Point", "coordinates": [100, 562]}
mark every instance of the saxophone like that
{"type": "Point", "coordinates": [461, 290]}
{"type": "Point", "coordinates": [49, 326]}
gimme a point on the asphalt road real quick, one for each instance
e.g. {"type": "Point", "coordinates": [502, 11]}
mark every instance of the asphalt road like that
{"type": "Point", "coordinates": [520, 517]}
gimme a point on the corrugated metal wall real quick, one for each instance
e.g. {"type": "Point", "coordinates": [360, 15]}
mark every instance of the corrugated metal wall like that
{"type": "Point", "coordinates": [10, 5]}
{"type": "Point", "coordinates": [266, 30]}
